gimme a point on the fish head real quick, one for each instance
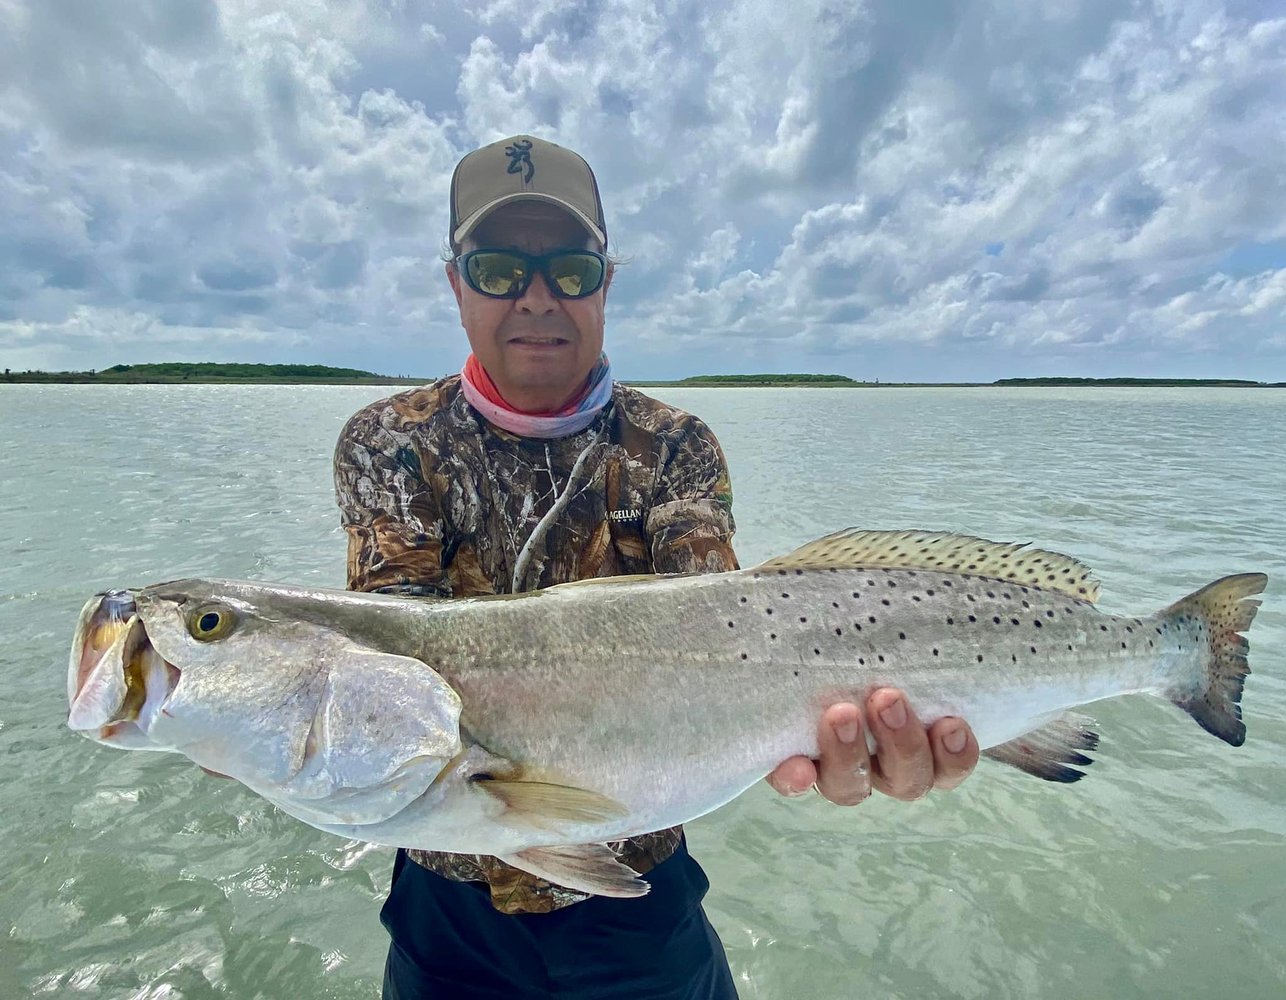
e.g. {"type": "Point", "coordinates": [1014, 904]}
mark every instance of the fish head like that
{"type": "Point", "coordinates": [260, 683]}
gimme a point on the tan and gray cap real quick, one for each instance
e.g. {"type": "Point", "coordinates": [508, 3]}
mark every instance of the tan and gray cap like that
{"type": "Point", "coordinates": [523, 168]}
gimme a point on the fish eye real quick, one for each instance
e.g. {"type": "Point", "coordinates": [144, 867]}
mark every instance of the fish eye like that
{"type": "Point", "coordinates": [209, 623]}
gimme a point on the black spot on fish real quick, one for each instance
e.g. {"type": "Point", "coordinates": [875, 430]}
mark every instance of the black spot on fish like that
{"type": "Point", "coordinates": [935, 652]}
{"type": "Point", "coordinates": [972, 618]}
{"type": "Point", "coordinates": [1013, 621]}
{"type": "Point", "coordinates": [769, 610]}
{"type": "Point", "coordinates": [817, 651]}
{"type": "Point", "coordinates": [784, 594]}
{"type": "Point", "coordinates": [730, 625]}
{"type": "Point", "coordinates": [881, 657]}
{"type": "Point", "coordinates": [834, 604]}
{"type": "Point", "coordinates": [796, 673]}
{"type": "Point", "coordinates": [839, 631]}
{"type": "Point", "coordinates": [1102, 628]}
{"type": "Point", "coordinates": [1038, 623]}
{"type": "Point", "coordinates": [772, 635]}
{"type": "Point", "coordinates": [951, 621]}
{"type": "Point", "coordinates": [743, 600]}
{"type": "Point", "coordinates": [871, 619]}
{"type": "Point", "coordinates": [916, 598]}
{"type": "Point", "coordinates": [885, 601]}
{"type": "Point", "coordinates": [979, 657]}
{"type": "Point", "coordinates": [929, 592]}
{"type": "Point", "coordinates": [901, 635]}
{"type": "Point", "coordinates": [996, 620]}
{"type": "Point", "coordinates": [803, 619]}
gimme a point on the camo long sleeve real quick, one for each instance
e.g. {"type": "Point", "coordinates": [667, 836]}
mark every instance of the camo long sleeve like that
{"type": "Point", "coordinates": [436, 501]}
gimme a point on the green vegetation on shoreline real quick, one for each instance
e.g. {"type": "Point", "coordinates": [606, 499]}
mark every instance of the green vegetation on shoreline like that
{"type": "Point", "coordinates": [209, 372]}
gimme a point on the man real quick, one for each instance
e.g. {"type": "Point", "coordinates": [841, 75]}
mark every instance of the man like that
{"type": "Point", "coordinates": [532, 468]}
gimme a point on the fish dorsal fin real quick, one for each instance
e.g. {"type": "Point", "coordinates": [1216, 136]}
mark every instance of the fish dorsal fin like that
{"type": "Point", "coordinates": [853, 548]}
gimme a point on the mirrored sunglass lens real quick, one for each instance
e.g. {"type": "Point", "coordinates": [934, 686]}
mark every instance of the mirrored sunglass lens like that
{"type": "Point", "coordinates": [496, 273]}
{"type": "Point", "coordinates": [576, 274]}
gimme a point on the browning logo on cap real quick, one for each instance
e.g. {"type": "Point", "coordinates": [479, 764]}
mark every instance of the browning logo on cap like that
{"type": "Point", "coordinates": [505, 172]}
{"type": "Point", "coordinates": [519, 154]}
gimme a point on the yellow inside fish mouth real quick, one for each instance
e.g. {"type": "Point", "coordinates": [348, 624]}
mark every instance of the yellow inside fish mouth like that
{"type": "Point", "coordinates": [113, 667]}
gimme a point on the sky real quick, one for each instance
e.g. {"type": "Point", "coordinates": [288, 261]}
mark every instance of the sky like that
{"type": "Point", "coordinates": [900, 190]}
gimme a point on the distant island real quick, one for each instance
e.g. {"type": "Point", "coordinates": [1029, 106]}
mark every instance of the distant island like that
{"type": "Point", "coordinates": [210, 372]}
{"type": "Point", "coordinates": [205, 371]}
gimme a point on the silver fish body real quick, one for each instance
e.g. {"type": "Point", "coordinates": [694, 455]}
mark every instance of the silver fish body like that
{"type": "Point", "coordinates": [536, 727]}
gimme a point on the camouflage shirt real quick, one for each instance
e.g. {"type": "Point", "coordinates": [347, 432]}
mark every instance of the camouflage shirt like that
{"type": "Point", "coordinates": [436, 501]}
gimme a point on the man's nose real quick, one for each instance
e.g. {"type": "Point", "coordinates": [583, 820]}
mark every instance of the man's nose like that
{"type": "Point", "coordinates": [537, 299]}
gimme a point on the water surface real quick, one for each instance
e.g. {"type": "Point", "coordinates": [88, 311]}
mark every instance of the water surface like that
{"type": "Point", "coordinates": [1159, 875]}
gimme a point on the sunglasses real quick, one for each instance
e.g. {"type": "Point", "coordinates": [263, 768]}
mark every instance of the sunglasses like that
{"type": "Point", "coordinates": [507, 274]}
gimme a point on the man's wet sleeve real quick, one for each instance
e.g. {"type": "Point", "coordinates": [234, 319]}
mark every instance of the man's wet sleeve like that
{"type": "Point", "coordinates": [690, 524]}
{"type": "Point", "coordinates": [391, 516]}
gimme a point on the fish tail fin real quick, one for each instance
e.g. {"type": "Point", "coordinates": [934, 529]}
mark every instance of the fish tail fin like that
{"type": "Point", "coordinates": [1223, 609]}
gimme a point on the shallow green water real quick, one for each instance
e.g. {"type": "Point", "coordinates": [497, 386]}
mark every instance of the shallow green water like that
{"type": "Point", "coordinates": [1160, 875]}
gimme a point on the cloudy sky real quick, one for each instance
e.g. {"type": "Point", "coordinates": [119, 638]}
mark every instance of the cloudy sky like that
{"type": "Point", "coordinates": [896, 189]}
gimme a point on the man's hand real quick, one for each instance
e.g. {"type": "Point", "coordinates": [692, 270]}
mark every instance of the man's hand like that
{"type": "Point", "coordinates": [912, 759]}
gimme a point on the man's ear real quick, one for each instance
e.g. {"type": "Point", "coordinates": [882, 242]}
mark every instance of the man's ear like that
{"type": "Point", "coordinates": [453, 276]}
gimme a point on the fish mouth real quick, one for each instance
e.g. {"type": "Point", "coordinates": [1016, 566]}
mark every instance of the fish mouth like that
{"type": "Point", "coordinates": [116, 680]}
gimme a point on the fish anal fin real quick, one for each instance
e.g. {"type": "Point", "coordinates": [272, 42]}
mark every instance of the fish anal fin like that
{"type": "Point", "coordinates": [1049, 751]}
{"type": "Point", "coordinates": [591, 868]}
{"type": "Point", "coordinates": [944, 552]}
{"type": "Point", "coordinates": [546, 805]}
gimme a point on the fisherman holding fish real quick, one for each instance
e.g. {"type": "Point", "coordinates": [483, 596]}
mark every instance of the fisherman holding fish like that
{"type": "Point", "coordinates": [529, 711]}
{"type": "Point", "coordinates": [531, 468]}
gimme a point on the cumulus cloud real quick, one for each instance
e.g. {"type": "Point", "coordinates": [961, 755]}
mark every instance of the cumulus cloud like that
{"type": "Point", "coordinates": [1001, 188]}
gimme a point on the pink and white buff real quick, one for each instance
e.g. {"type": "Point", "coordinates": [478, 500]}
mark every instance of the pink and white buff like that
{"type": "Point", "coordinates": [571, 418]}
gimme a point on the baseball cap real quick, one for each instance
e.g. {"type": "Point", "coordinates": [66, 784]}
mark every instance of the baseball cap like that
{"type": "Point", "coordinates": [523, 168]}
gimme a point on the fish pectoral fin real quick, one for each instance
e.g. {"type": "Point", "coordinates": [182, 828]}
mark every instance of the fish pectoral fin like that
{"type": "Point", "coordinates": [591, 868]}
{"type": "Point", "coordinates": [1046, 752]}
{"type": "Point", "coordinates": [546, 805]}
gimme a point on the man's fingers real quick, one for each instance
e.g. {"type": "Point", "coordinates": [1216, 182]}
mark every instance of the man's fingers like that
{"type": "Point", "coordinates": [955, 752]}
{"type": "Point", "coordinates": [794, 776]}
{"type": "Point", "coordinates": [844, 766]}
{"type": "Point", "coordinates": [904, 763]}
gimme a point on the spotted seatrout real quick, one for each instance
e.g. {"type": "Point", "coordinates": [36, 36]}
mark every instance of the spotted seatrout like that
{"type": "Point", "coordinates": [537, 727]}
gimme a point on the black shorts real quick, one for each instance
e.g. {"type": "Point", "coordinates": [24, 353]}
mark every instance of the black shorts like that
{"type": "Point", "coordinates": [449, 942]}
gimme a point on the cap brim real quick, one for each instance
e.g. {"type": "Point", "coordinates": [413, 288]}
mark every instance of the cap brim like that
{"type": "Point", "coordinates": [471, 223]}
